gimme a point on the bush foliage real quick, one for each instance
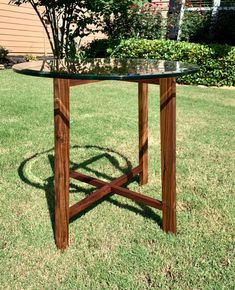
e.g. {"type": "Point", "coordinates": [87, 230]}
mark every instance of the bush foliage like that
{"type": "Point", "coordinates": [3, 54]}
{"type": "Point", "coordinates": [224, 29]}
{"type": "Point", "coordinates": [198, 26]}
{"type": "Point", "coordinates": [216, 61]}
{"type": "Point", "coordinates": [100, 47]}
{"type": "Point", "coordinates": [127, 19]}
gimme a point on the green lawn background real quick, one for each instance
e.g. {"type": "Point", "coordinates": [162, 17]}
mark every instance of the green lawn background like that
{"type": "Point", "coordinates": [118, 244]}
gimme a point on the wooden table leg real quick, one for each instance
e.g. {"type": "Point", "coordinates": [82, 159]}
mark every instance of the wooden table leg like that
{"type": "Point", "coordinates": [61, 123]}
{"type": "Point", "coordinates": [143, 131]}
{"type": "Point", "coordinates": [168, 152]}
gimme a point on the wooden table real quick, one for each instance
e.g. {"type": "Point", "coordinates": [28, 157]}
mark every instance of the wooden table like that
{"type": "Point", "coordinates": [67, 74]}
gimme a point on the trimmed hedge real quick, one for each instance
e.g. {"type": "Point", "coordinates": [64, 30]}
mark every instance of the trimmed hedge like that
{"type": "Point", "coordinates": [217, 62]}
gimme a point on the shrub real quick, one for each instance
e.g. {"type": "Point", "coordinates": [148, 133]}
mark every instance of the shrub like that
{"type": "Point", "coordinates": [224, 27]}
{"type": "Point", "coordinates": [133, 20]}
{"type": "Point", "coordinates": [146, 22]}
{"type": "Point", "coordinates": [100, 47]}
{"type": "Point", "coordinates": [3, 54]}
{"type": "Point", "coordinates": [116, 22]}
{"type": "Point", "coordinates": [29, 57]}
{"type": "Point", "coordinates": [216, 61]}
{"type": "Point", "coordinates": [196, 26]}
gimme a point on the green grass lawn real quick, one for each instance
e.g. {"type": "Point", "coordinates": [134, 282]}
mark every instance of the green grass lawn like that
{"type": "Point", "coordinates": [118, 244]}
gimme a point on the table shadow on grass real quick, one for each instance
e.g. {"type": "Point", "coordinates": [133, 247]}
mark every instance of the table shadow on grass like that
{"type": "Point", "coordinates": [48, 183]}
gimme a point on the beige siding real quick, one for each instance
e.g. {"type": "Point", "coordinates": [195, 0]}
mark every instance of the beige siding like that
{"type": "Point", "coordinates": [21, 32]}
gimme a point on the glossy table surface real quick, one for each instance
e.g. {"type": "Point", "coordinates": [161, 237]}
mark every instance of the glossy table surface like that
{"type": "Point", "coordinates": [105, 69]}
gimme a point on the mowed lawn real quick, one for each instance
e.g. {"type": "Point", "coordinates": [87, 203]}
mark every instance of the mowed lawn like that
{"type": "Point", "coordinates": [118, 244]}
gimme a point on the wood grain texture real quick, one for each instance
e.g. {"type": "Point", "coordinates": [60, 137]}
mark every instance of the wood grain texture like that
{"type": "Point", "coordinates": [138, 197]}
{"type": "Point", "coordinates": [73, 83]}
{"type": "Point", "coordinates": [168, 152]}
{"type": "Point", "coordinates": [147, 81]}
{"type": "Point", "coordinates": [143, 131]}
{"type": "Point", "coordinates": [99, 183]}
{"type": "Point", "coordinates": [168, 159]}
{"type": "Point", "coordinates": [61, 123]}
{"type": "Point", "coordinates": [104, 188]}
{"type": "Point", "coordinates": [108, 187]}
{"type": "Point", "coordinates": [89, 200]}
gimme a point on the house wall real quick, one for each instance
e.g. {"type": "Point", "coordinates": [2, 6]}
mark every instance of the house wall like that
{"type": "Point", "coordinates": [21, 31]}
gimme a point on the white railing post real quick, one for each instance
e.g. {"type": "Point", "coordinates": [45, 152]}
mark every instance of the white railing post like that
{"type": "Point", "coordinates": [216, 6]}
{"type": "Point", "coordinates": [181, 18]}
{"type": "Point", "coordinates": [214, 13]}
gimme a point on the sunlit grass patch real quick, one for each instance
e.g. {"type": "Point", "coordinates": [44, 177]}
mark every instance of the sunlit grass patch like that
{"type": "Point", "coordinates": [119, 244]}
